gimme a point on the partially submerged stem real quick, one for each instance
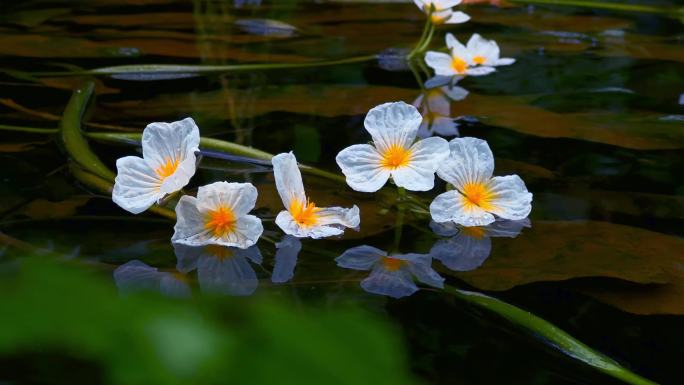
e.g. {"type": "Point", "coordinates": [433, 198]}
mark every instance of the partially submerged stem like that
{"type": "Point", "coordinates": [550, 334]}
{"type": "Point", "coordinates": [203, 69]}
{"type": "Point", "coordinates": [30, 130]}
{"type": "Point", "coordinates": [426, 36]}
{"type": "Point", "coordinates": [399, 223]}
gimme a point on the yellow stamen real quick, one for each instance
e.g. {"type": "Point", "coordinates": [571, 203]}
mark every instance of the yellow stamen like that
{"type": "Point", "coordinates": [395, 157]}
{"type": "Point", "coordinates": [221, 221]}
{"type": "Point", "coordinates": [478, 194]}
{"type": "Point", "coordinates": [168, 168]}
{"type": "Point", "coordinates": [304, 213]}
{"type": "Point", "coordinates": [459, 65]}
{"type": "Point", "coordinates": [392, 264]}
{"type": "Point", "coordinates": [476, 232]}
{"type": "Point", "coordinates": [479, 60]}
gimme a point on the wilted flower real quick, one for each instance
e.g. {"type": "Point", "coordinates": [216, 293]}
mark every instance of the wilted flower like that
{"type": "Point", "coordinates": [486, 52]}
{"type": "Point", "coordinates": [468, 247]}
{"type": "Point", "coordinates": [435, 106]}
{"type": "Point", "coordinates": [220, 269]}
{"type": "Point", "coordinates": [442, 12]}
{"type": "Point", "coordinates": [393, 127]}
{"type": "Point", "coordinates": [459, 61]}
{"type": "Point", "coordinates": [478, 196]}
{"type": "Point", "coordinates": [390, 275]}
{"type": "Point", "coordinates": [302, 218]}
{"type": "Point", "coordinates": [218, 216]}
{"type": "Point", "coordinates": [167, 165]}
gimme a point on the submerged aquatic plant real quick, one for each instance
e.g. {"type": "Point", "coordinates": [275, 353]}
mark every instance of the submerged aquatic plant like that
{"type": "Point", "coordinates": [218, 216]}
{"type": "Point", "coordinates": [477, 196]}
{"type": "Point", "coordinates": [167, 165]}
{"type": "Point", "coordinates": [302, 218]}
{"type": "Point", "coordinates": [393, 127]}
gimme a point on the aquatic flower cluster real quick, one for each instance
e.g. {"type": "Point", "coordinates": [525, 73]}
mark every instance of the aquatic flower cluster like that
{"type": "Point", "coordinates": [216, 234]}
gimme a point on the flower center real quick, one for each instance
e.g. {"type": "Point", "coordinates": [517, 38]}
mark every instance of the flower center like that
{"type": "Point", "coordinates": [396, 156]}
{"type": "Point", "coordinates": [221, 221]}
{"type": "Point", "coordinates": [168, 168]}
{"type": "Point", "coordinates": [479, 59]}
{"type": "Point", "coordinates": [478, 194]}
{"type": "Point", "coordinates": [392, 264]}
{"type": "Point", "coordinates": [459, 65]}
{"type": "Point", "coordinates": [304, 213]}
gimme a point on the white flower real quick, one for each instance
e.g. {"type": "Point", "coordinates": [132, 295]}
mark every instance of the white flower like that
{"type": "Point", "coordinates": [478, 196]}
{"type": "Point", "coordinates": [393, 127]}
{"type": "Point", "coordinates": [220, 269]}
{"type": "Point", "coordinates": [459, 61]}
{"type": "Point", "coordinates": [435, 106]}
{"type": "Point", "coordinates": [390, 275]}
{"type": "Point", "coordinates": [469, 247]}
{"type": "Point", "coordinates": [442, 12]}
{"type": "Point", "coordinates": [486, 52]}
{"type": "Point", "coordinates": [218, 216]}
{"type": "Point", "coordinates": [167, 165]}
{"type": "Point", "coordinates": [302, 218]}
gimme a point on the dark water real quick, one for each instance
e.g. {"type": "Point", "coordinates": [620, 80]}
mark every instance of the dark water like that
{"type": "Point", "coordinates": [590, 116]}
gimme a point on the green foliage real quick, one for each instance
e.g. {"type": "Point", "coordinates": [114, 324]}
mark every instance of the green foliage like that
{"type": "Point", "coordinates": [148, 339]}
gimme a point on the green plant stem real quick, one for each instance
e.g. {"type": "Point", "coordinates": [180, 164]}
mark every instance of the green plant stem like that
{"type": "Point", "coordinates": [551, 334]}
{"type": "Point", "coordinates": [216, 145]}
{"type": "Point", "coordinates": [30, 130]}
{"type": "Point", "coordinates": [424, 34]}
{"type": "Point", "coordinates": [428, 40]}
{"type": "Point", "coordinates": [72, 137]}
{"type": "Point", "coordinates": [614, 6]}
{"type": "Point", "coordinates": [203, 69]}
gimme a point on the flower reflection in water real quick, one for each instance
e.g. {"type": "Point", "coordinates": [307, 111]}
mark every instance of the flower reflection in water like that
{"type": "Point", "coordinates": [220, 269]}
{"type": "Point", "coordinates": [468, 247]}
{"type": "Point", "coordinates": [390, 275]}
{"type": "Point", "coordinates": [135, 276]}
{"type": "Point", "coordinates": [435, 106]}
{"type": "Point", "coordinates": [286, 259]}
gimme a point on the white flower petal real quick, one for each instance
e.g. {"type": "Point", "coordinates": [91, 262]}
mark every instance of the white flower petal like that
{"type": "Point", "coordinates": [443, 4]}
{"type": "Point", "coordinates": [339, 216]}
{"type": "Point", "coordinates": [419, 3]}
{"type": "Point", "coordinates": [480, 71]}
{"type": "Point", "coordinates": [445, 229]}
{"type": "Point", "coordinates": [190, 227]}
{"type": "Point", "coordinates": [457, 17]}
{"type": "Point", "coordinates": [231, 275]}
{"type": "Point", "coordinates": [360, 257]}
{"type": "Point", "coordinates": [511, 198]}
{"type": "Point", "coordinates": [470, 160]}
{"type": "Point", "coordinates": [457, 49]}
{"type": "Point", "coordinates": [455, 93]}
{"type": "Point", "coordinates": [395, 284]}
{"type": "Point", "coordinates": [438, 81]}
{"type": "Point", "coordinates": [504, 61]}
{"type": "Point", "coordinates": [288, 179]}
{"type": "Point", "coordinates": [426, 156]}
{"type": "Point", "coordinates": [393, 124]}
{"type": "Point", "coordinates": [445, 126]}
{"type": "Point", "coordinates": [286, 222]}
{"type": "Point", "coordinates": [136, 186]}
{"type": "Point", "coordinates": [163, 141]}
{"type": "Point", "coordinates": [240, 198]}
{"type": "Point", "coordinates": [440, 62]}
{"type": "Point", "coordinates": [450, 206]}
{"type": "Point", "coordinates": [507, 228]}
{"type": "Point", "coordinates": [462, 252]}
{"type": "Point", "coordinates": [287, 251]}
{"type": "Point", "coordinates": [361, 165]}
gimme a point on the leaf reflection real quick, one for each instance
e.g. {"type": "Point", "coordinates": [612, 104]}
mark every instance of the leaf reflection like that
{"type": "Point", "coordinates": [468, 247]}
{"type": "Point", "coordinates": [390, 275]}
{"type": "Point", "coordinates": [220, 269]}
